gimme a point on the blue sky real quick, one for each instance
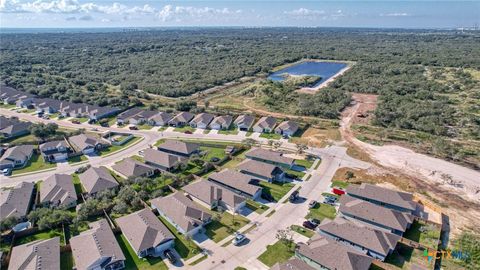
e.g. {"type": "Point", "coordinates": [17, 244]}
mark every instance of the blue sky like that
{"type": "Point", "coordinates": [90, 13]}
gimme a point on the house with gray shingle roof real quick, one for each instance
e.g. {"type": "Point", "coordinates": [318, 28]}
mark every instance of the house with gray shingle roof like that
{"type": "Point", "coordinates": [159, 119]}
{"type": "Point", "coordinates": [201, 120]}
{"type": "Point", "coordinates": [58, 190]}
{"type": "Point", "coordinates": [133, 168]}
{"type": "Point", "coordinates": [38, 255]}
{"type": "Point", "coordinates": [269, 156]}
{"type": "Point", "coordinates": [163, 160]}
{"type": "Point", "coordinates": [95, 180]}
{"type": "Point", "coordinates": [237, 182]}
{"type": "Point", "coordinates": [181, 119]}
{"type": "Point", "coordinates": [12, 127]}
{"type": "Point", "coordinates": [244, 122]}
{"type": "Point", "coordinates": [87, 143]}
{"type": "Point", "coordinates": [221, 122]}
{"type": "Point", "coordinates": [97, 248]}
{"type": "Point", "coordinates": [377, 243]}
{"type": "Point", "coordinates": [261, 170]}
{"type": "Point", "coordinates": [16, 157]}
{"type": "Point", "coordinates": [214, 196]}
{"type": "Point", "coordinates": [16, 201]}
{"type": "Point", "coordinates": [292, 264]}
{"type": "Point", "coordinates": [381, 217]}
{"type": "Point", "coordinates": [321, 252]}
{"type": "Point", "coordinates": [10, 95]}
{"type": "Point", "coordinates": [145, 233]}
{"type": "Point", "coordinates": [54, 151]}
{"type": "Point", "coordinates": [179, 148]}
{"type": "Point", "coordinates": [287, 128]}
{"type": "Point", "coordinates": [265, 124]}
{"type": "Point", "coordinates": [397, 200]}
{"type": "Point", "coordinates": [182, 212]}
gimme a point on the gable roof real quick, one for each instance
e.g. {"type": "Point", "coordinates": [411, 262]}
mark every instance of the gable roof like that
{"type": "Point", "coordinates": [38, 255]}
{"type": "Point", "coordinates": [185, 148]}
{"type": "Point", "coordinates": [15, 127]}
{"type": "Point", "coordinates": [269, 155]}
{"type": "Point", "coordinates": [182, 117]}
{"type": "Point", "coordinates": [97, 179]}
{"type": "Point", "coordinates": [128, 113]}
{"type": "Point", "coordinates": [20, 152]}
{"type": "Point", "coordinates": [162, 158]}
{"type": "Point", "coordinates": [266, 122]}
{"type": "Point", "coordinates": [244, 120]}
{"type": "Point", "coordinates": [181, 210]}
{"type": "Point", "coordinates": [144, 230]}
{"type": "Point", "coordinates": [204, 118]}
{"type": "Point", "coordinates": [223, 120]}
{"type": "Point", "coordinates": [11, 94]}
{"type": "Point", "coordinates": [131, 167]}
{"type": "Point", "coordinates": [16, 201]}
{"type": "Point", "coordinates": [378, 241]}
{"type": "Point", "coordinates": [84, 141]}
{"type": "Point", "coordinates": [383, 195]}
{"type": "Point", "coordinates": [288, 125]}
{"type": "Point", "coordinates": [98, 242]}
{"type": "Point", "coordinates": [292, 264]}
{"type": "Point", "coordinates": [235, 180]}
{"type": "Point", "coordinates": [257, 167]}
{"type": "Point", "coordinates": [333, 255]}
{"type": "Point", "coordinates": [58, 187]}
{"type": "Point", "coordinates": [208, 192]}
{"type": "Point", "coordinates": [53, 144]}
{"type": "Point", "coordinates": [374, 213]}
{"type": "Point", "coordinates": [161, 117]}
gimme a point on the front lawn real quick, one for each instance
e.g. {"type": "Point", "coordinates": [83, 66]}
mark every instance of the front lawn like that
{"type": "Point", "coordinates": [115, 148]}
{"type": "Point", "coordinates": [133, 262]}
{"type": "Point", "coordinates": [297, 174]}
{"type": "Point", "coordinates": [230, 131]}
{"type": "Point", "coordinates": [77, 159]}
{"type": "Point", "coordinates": [144, 127]}
{"type": "Point", "coordinates": [322, 211]}
{"type": "Point", "coordinates": [81, 119]}
{"type": "Point", "coordinates": [304, 162]}
{"type": "Point", "coordinates": [277, 190]}
{"type": "Point", "coordinates": [186, 248]}
{"type": "Point", "coordinates": [271, 136]}
{"type": "Point", "coordinates": [340, 184]}
{"type": "Point", "coordinates": [423, 233]}
{"type": "Point", "coordinates": [256, 206]}
{"type": "Point", "coordinates": [303, 231]}
{"type": "Point", "coordinates": [36, 163]}
{"type": "Point", "coordinates": [277, 253]}
{"type": "Point", "coordinates": [217, 230]}
{"type": "Point", "coordinates": [184, 128]}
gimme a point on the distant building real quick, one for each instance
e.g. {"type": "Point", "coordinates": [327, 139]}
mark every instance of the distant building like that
{"type": "Point", "coordinates": [38, 255]}
{"type": "Point", "coordinates": [269, 156]}
{"type": "Point", "coordinates": [16, 201]}
{"type": "Point", "coordinates": [287, 128]}
{"type": "Point", "coordinates": [244, 122]}
{"type": "Point", "coordinates": [201, 120]}
{"type": "Point", "coordinates": [181, 119]}
{"type": "Point", "coordinates": [133, 168]}
{"type": "Point", "coordinates": [58, 190]}
{"type": "Point", "coordinates": [261, 170]}
{"type": "Point", "coordinates": [8, 95]}
{"type": "Point", "coordinates": [163, 160]}
{"type": "Point", "coordinates": [179, 148]}
{"type": "Point", "coordinates": [237, 182]}
{"type": "Point", "coordinates": [95, 180]}
{"type": "Point", "coordinates": [221, 122]}
{"type": "Point", "coordinates": [16, 157]}
{"type": "Point", "coordinates": [265, 124]}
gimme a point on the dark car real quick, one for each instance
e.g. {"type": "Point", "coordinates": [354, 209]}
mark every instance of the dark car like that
{"type": "Point", "coordinates": [133, 128]}
{"type": "Point", "coordinates": [170, 256]}
{"type": "Point", "coordinates": [294, 196]}
{"type": "Point", "coordinates": [188, 132]}
{"type": "Point", "coordinates": [76, 122]}
{"type": "Point", "coordinates": [314, 221]}
{"type": "Point", "coordinates": [214, 159]}
{"type": "Point", "coordinates": [307, 224]}
{"type": "Point", "coordinates": [267, 197]}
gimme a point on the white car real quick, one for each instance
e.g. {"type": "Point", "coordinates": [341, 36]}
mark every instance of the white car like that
{"type": "Point", "coordinates": [239, 238]}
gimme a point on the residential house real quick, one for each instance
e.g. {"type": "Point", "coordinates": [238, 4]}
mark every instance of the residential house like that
{"type": "Point", "coordinates": [179, 148]}
{"type": "Point", "coordinates": [87, 143]}
{"type": "Point", "coordinates": [237, 182]}
{"type": "Point", "coordinates": [160, 119]}
{"type": "Point", "coordinates": [16, 157]}
{"type": "Point", "coordinates": [368, 240]}
{"type": "Point", "coordinates": [142, 117]}
{"type": "Point", "coordinates": [180, 211]}
{"type": "Point", "coordinates": [95, 180]}
{"type": "Point", "coordinates": [85, 110]}
{"type": "Point", "coordinates": [58, 190]}
{"type": "Point", "coordinates": [123, 118]}
{"type": "Point", "coordinates": [287, 128]}
{"type": "Point", "coordinates": [214, 196]}
{"type": "Point", "coordinates": [15, 202]}
{"type": "Point", "coordinates": [48, 105]}
{"type": "Point", "coordinates": [145, 233]}
{"type": "Point", "coordinates": [55, 151]}
{"type": "Point", "coordinates": [261, 170]}
{"type": "Point", "coordinates": [292, 264]}
{"type": "Point", "coordinates": [396, 200]}
{"type": "Point", "coordinates": [8, 95]}
{"type": "Point", "coordinates": [201, 120]}
{"type": "Point", "coordinates": [97, 248]}
{"type": "Point", "coordinates": [321, 252]}
{"type": "Point", "coordinates": [133, 168]}
{"type": "Point", "coordinates": [368, 213]}
{"type": "Point", "coordinates": [244, 122]}
{"type": "Point", "coordinates": [221, 122]}
{"type": "Point", "coordinates": [42, 254]}
{"type": "Point", "coordinates": [265, 124]}
{"type": "Point", "coordinates": [269, 156]}
{"type": "Point", "coordinates": [12, 127]}
{"type": "Point", "coordinates": [181, 119]}
{"type": "Point", "coordinates": [163, 160]}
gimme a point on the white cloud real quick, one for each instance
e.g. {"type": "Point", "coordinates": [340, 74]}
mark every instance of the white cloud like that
{"type": "Point", "coordinates": [398, 14]}
{"type": "Point", "coordinates": [304, 12]}
{"type": "Point", "coordinates": [176, 13]}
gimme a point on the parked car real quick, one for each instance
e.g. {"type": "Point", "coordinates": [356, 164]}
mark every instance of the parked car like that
{"type": "Point", "coordinates": [133, 128]}
{"type": "Point", "coordinates": [7, 171]}
{"type": "Point", "coordinates": [76, 122]}
{"type": "Point", "coordinates": [294, 196]}
{"type": "Point", "coordinates": [170, 256]}
{"type": "Point", "coordinates": [46, 117]}
{"type": "Point", "coordinates": [238, 239]}
{"type": "Point", "coordinates": [214, 159]}
{"type": "Point", "coordinates": [330, 200]}
{"type": "Point", "coordinates": [312, 204]}
{"type": "Point", "coordinates": [94, 129]}
{"type": "Point", "coordinates": [188, 132]}
{"type": "Point", "coordinates": [61, 116]}
{"type": "Point", "coordinates": [267, 197]}
{"type": "Point", "coordinates": [307, 224]}
{"type": "Point", "coordinates": [314, 221]}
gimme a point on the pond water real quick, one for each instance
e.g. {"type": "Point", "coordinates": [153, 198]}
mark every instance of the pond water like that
{"type": "Point", "coordinates": [325, 70]}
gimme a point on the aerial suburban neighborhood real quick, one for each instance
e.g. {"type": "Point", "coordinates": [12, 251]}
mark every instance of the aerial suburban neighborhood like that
{"type": "Point", "coordinates": [239, 135]}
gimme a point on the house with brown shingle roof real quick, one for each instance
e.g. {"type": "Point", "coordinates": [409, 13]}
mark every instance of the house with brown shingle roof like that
{"type": "Point", "coordinates": [16, 157]}
{"type": "Point", "coordinates": [58, 190]}
{"type": "Point", "coordinates": [244, 122]}
{"type": "Point", "coordinates": [261, 170]}
{"type": "Point", "coordinates": [160, 119]}
{"type": "Point", "coordinates": [145, 233]}
{"type": "Point", "coordinates": [287, 128]}
{"type": "Point", "coordinates": [397, 200]}
{"type": "Point", "coordinates": [292, 264]}
{"type": "Point", "coordinates": [214, 196]}
{"type": "Point", "coordinates": [97, 248]}
{"type": "Point", "coordinates": [179, 148]}
{"type": "Point", "coordinates": [181, 119]}
{"type": "Point", "coordinates": [162, 160]}
{"type": "Point", "coordinates": [95, 180]}
{"type": "Point", "coordinates": [377, 243]}
{"type": "Point", "coordinates": [130, 167]}
{"type": "Point", "coordinates": [54, 151]}
{"type": "Point", "coordinates": [221, 122]}
{"type": "Point", "coordinates": [16, 201]}
{"type": "Point", "coordinates": [201, 120]}
{"type": "Point", "coordinates": [375, 215]}
{"type": "Point", "coordinates": [237, 182]}
{"type": "Point", "coordinates": [265, 124]}
{"type": "Point", "coordinates": [87, 143]}
{"type": "Point", "coordinates": [182, 212]}
{"type": "Point", "coordinates": [38, 255]}
{"type": "Point", "coordinates": [269, 156]}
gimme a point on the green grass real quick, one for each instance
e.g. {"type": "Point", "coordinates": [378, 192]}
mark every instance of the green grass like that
{"type": "Point", "coordinates": [425, 234]}
{"type": "Point", "coordinates": [7, 106]}
{"type": "Point", "coordinates": [77, 184]}
{"type": "Point", "coordinates": [21, 139]}
{"type": "Point", "coordinates": [227, 225]}
{"type": "Point", "coordinates": [271, 136]}
{"type": "Point", "coordinates": [322, 211]}
{"type": "Point", "coordinates": [162, 128]}
{"type": "Point", "coordinates": [303, 231]}
{"type": "Point", "coordinates": [298, 175]}
{"type": "Point", "coordinates": [144, 127]}
{"type": "Point", "coordinates": [36, 163]}
{"type": "Point", "coordinates": [304, 162]}
{"type": "Point", "coordinates": [276, 253]}
{"type": "Point", "coordinates": [318, 164]}
{"type": "Point", "coordinates": [240, 268]}
{"type": "Point", "coordinates": [41, 236]}
{"type": "Point", "coordinates": [256, 206]}
{"type": "Point", "coordinates": [191, 169]}
{"type": "Point", "coordinates": [133, 262]}
{"type": "Point", "coordinates": [114, 148]}
{"type": "Point", "coordinates": [77, 159]}
{"type": "Point", "coordinates": [230, 131]}
{"type": "Point", "coordinates": [213, 152]}
{"type": "Point", "coordinates": [184, 128]}
{"type": "Point", "coordinates": [138, 158]}
{"type": "Point", "coordinates": [328, 194]}
{"type": "Point", "coordinates": [160, 182]}
{"type": "Point", "coordinates": [81, 119]}
{"type": "Point", "coordinates": [159, 142]}
{"type": "Point", "coordinates": [185, 248]}
{"type": "Point", "coordinates": [340, 184]}
{"type": "Point", "coordinates": [248, 134]}
{"type": "Point", "coordinates": [271, 213]}
{"type": "Point", "coordinates": [199, 260]}
{"type": "Point", "coordinates": [277, 190]}
{"type": "Point", "coordinates": [66, 260]}
{"type": "Point", "coordinates": [206, 131]}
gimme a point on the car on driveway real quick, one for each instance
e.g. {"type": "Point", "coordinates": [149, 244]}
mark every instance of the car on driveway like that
{"type": "Point", "coordinates": [188, 132]}
{"type": "Point", "coordinates": [312, 204]}
{"type": "Point", "coordinates": [267, 197]}
{"type": "Point", "coordinates": [330, 200]}
{"type": "Point", "coordinates": [294, 196]}
{"type": "Point", "coordinates": [7, 171]}
{"type": "Point", "coordinates": [133, 128]}
{"type": "Point", "coordinates": [314, 221]}
{"type": "Point", "coordinates": [238, 239]}
{"type": "Point", "coordinates": [307, 224]}
{"type": "Point", "coordinates": [170, 256]}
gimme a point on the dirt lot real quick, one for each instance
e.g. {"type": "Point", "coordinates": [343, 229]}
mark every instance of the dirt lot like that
{"type": "Point", "coordinates": [318, 137]}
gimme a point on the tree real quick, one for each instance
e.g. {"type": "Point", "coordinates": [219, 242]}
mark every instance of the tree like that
{"type": "Point", "coordinates": [8, 223]}
{"type": "Point", "coordinates": [249, 142]}
{"type": "Point", "coordinates": [47, 218]}
{"type": "Point", "coordinates": [185, 105]}
{"type": "Point", "coordinates": [285, 236]}
{"type": "Point", "coordinates": [43, 131]}
{"type": "Point", "coordinates": [301, 148]}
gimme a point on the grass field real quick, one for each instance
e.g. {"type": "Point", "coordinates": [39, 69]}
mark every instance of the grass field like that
{"type": "Point", "coordinates": [36, 163]}
{"type": "Point", "coordinates": [277, 190]}
{"type": "Point", "coordinates": [212, 152]}
{"type": "Point", "coordinates": [114, 148]}
{"type": "Point", "coordinates": [132, 261]}
{"type": "Point", "coordinates": [20, 139]}
{"type": "Point", "coordinates": [322, 211]}
{"type": "Point", "coordinates": [340, 184]}
{"type": "Point", "coordinates": [304, 162]}
{"type": "Point", "coordinates": [276, 253]}
{"type": "Point", "coordinates": [41, 236]}
{"type": "Point", "coordinates": [303, 231]}
{"type": "Point", "coordinates": [184, 128]}
{"type": "Point", "coordinates": [66, 260]}
{"type": "Point", "coordinates": [227, 225]}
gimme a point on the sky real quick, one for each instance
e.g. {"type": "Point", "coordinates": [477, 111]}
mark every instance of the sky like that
{"type": "Point", "coordinates": [253, 13]}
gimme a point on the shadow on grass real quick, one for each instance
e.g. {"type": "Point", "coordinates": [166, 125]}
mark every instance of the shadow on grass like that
{"type": "Point", "coordinates": [400, 256]}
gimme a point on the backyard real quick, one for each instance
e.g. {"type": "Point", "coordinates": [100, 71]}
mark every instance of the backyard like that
{"type": "Point", "coordinates": [212, 152]}
{"type": "Point", "coordinates": [133, 262]}
{"type": "Point", "coordinates": [217, 230]}
{"type": "Point", "coordinates": [36, 163]}
{"type": "Point", "coordinates": [42, 235]}
{"type": "Point", "coordinates": [423, 233]}
{"type": "Point", "coordinates": [322, 211]}
{"type": "Point", "coordinates": [276, 190]}
{"type": "Point", "coordinates": [277, 253]}
{"type": "Point", "coordinates": [405, 257]}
